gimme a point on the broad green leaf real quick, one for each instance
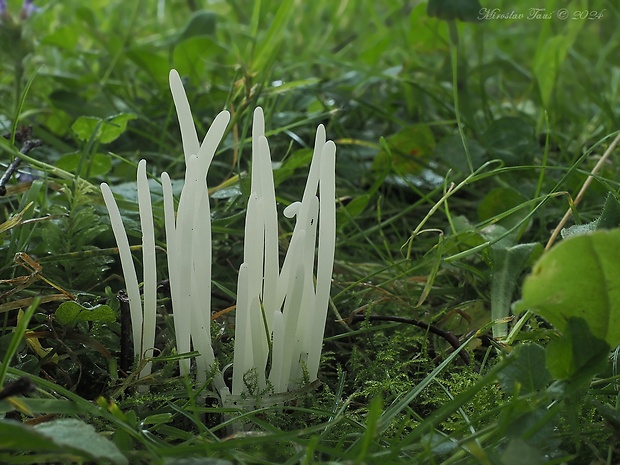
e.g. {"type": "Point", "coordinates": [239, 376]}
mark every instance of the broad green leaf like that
{"type": "Point", "coordinates": [519, 452]}
{"type": "Point", "coordinates": [508, 261]}
{"type": "Point", "coordinates": [189, 56]}
{"type": "Point", "coordinates": [70, 313]}
{"type": "Point", "coordinates": [528, 372]}
{"type": "Point", "coordinates": [155, 64]}
{"type": "Point", "coordinates": [201, 23]}
{"type": "Point", "coordinates": [450, 149]}
{"type": "Point", "coordinates": [19, 437]}
{"type": "Point", "coordinates": [522, 420]}
{"type": "Point", "coordinates": [577, 354]}
{"type": "Point", "coordinates": [61, 436]}
{"type": "Point", "coordinates": [76, 434]}
{"type": "Point", "coordinates": [425, 34]}
{"type": "Point", "coordinates": [87, 15]}
{"type": "Point", "coordinates": [65, 36]}
{"type": "Point", "coordinates": [106, 131]}
{"type": "Point", "coordinates": [409, 148]}
{"type": "Point", "coordinates": [115, 126]}
{"type": "Point", "coordinates": [511, 139]}
{"type": "Point", "coordinates": [610, 216]}
{"type": "Point", "coordinates": [97, 164]}
{"type": "Point", "coordinates": [57, 121]}
{"type": "Point", "coordinates": [508, 264]}
{"type": "Point", "coordinates": [580, 277]}
{"type": "Point", "coordinates": [85, 126]}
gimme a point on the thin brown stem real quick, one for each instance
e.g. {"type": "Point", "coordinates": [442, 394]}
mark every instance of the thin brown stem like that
{"type": "Point", "coordinates": [448, 336]}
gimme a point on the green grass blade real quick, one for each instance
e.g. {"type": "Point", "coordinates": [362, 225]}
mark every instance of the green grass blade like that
{"type": "Point", "coordinates": [18, 335]}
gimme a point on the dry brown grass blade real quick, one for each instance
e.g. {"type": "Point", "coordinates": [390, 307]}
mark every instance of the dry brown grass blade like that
{"type": "Point", "coordinates": [582, 191]}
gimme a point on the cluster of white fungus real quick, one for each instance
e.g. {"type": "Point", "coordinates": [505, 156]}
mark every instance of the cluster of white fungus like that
{"type": "Point", "coordinates": [281, 311]}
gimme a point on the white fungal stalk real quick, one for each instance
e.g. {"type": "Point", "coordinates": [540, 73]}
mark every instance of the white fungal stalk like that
{"type": "Point", "coordinates": [284, 305]}
{"type": "Point", "coordinates": [142, 316]}
{"type": "Point", "coordinates": [189, 238]}
{"type": "Point", "coordinates": [281, 313]}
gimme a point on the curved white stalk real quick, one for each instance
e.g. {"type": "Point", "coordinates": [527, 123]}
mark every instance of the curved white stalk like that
{"type": "Point", "coordinates": [260, 350]}
{"type": "Point", "coordinates": [307, 309]}
{"type": "Point", "coordinates": [212, 140]}
{"type": "Point", "coordinates": [182, 321]}
{"type": "Point", "coordinates": [129, 270]}
{"type": "Point", "coordinates": [202, 257]}
{"type": "Point", "coordinates": [282, 364]}
{"type": "Point", "coordinates": [258, 131]}
{"type": "Point", "coordinates": [277, 357]}
{"type": "Point", "coordinates": [189, 135]}
{"type": "Point", "coordinates": [301, 209]}
{"type": "Point", "coordinates": [242, 361]}
{"type": "Point", "coordinates": [326, 249]}
{"type": "Point", "coordinates": [149, 264]}
{"type": "Point", "coordinates": [314, 172]}
{"type": "Point", "coordinates": [200, 262]}
{"type": "Point", "coordinates": [184, 262]}
{"type": "Point", "coordinates": [292, 317]}
{"type": "Point", "coordinates": [270, 218]}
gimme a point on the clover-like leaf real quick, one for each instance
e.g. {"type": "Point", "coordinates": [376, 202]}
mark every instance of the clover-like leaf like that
{"type": "Point", "coordinates": [70, 313]}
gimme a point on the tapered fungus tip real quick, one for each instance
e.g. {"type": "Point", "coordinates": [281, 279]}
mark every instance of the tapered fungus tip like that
{"type": "Point", "coordinates": [174, 76]}
{"type": "Point", "coordinates": [292, 209]}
